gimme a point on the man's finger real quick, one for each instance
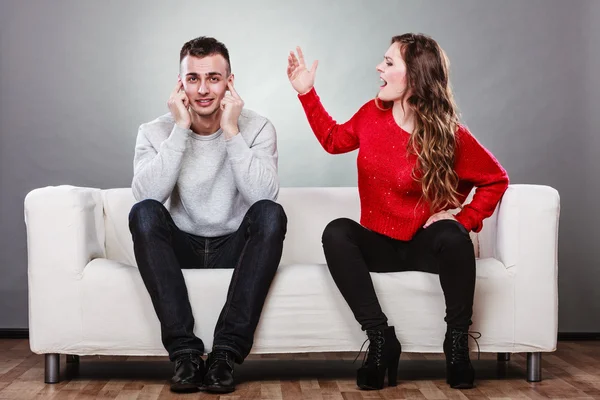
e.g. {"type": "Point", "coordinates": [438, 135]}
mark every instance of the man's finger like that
{"type": "Point", "coordinates": [232, 90]}
{"type": "Point", "coordinates": [227, 101]}
{"type": "Point", "coordinates": [178, 87]}
{"type": "Point", "coordinates": [181, 107]}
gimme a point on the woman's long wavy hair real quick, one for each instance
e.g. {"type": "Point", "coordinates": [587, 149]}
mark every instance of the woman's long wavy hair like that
{"type": "Point", "coordinates": [436, 119]}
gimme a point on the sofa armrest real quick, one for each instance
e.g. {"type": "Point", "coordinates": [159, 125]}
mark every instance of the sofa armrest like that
{"type": "Point", "coordinates": [65, 231]}
{"type": "Point", "coordinates": [527, 244]}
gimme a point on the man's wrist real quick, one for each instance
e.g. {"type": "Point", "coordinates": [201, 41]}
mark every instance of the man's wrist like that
{"type": "Point", "coordinates": [231, 131]}
{"type": "Point", "coordinates": [183, 125]}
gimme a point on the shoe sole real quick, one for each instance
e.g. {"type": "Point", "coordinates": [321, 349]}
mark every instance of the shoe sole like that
{"type": "Point", "coordinates": [463, 386]}
{"type": "Point", "coordinates": [184, 388]}
{"type": "Point", "coordinates": [369, 388]}
{"type": "Point", "coordinates": [219, 389]}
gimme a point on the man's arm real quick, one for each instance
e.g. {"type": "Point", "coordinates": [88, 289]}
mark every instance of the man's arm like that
{"type": "Point", "coordinates": [255, 166]}
{"type": "Point", "coordinates": [155, 173]}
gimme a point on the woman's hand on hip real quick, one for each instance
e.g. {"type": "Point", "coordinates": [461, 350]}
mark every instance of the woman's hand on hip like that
{"type": "Point", "coordinates": [438, 217]}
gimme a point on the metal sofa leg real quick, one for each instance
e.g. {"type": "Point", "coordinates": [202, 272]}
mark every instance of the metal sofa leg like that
{"type": "Point", "coordinates": [52, 372]}
{"type": "Point", "coordinates": [534, 367]}
{"type": "Point", "coordinates": [503, 357]}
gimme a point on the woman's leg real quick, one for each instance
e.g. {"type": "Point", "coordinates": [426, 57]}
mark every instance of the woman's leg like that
{"type": "Point", "coordinates": [446, 248]}
{"type": "Point", "coordinates": [353, 251]}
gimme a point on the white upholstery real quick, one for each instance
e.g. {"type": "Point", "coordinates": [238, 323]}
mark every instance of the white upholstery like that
{"type": "Point", "coordinates": [86, 295]}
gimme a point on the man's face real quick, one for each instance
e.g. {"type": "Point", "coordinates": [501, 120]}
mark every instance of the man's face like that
{"type": "Point", "coordinates": [205, 82]}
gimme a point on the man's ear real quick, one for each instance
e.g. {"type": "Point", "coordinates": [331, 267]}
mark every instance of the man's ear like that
{"type": "Point", "coordinates": [231, 78]}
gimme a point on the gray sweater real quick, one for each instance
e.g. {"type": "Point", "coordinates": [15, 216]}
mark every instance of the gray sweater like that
{"type": "Point", "coordinates": [210, 182]}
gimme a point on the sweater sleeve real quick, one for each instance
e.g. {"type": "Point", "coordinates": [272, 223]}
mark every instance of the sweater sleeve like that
{"type": "Point", "coordinates": [255, 167]}
{"type": "Point", "coordinates": [155, 172]}
{"type": "Point", "coordinates": [335, 138]}
{"type": "Point", "coordinates": [476, 166]}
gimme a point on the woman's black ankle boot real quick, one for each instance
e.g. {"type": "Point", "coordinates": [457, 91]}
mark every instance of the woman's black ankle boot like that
{"type": "Point", "coordinates": [383, 354]}
{"type": "Point", "coordinates": [459, 370]}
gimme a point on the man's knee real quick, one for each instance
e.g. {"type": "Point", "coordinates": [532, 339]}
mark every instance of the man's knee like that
{"type": "Point", "coordinates": [146, 215]}
{"type": "Point", "coordinates": [269, 217]}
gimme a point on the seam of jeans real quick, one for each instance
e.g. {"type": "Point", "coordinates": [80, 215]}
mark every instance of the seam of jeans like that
{"type": "Point", "coordinates": [206, 240]}
{"type": "Point", "coordinates": [234, 280]}
{"type": "Point", "coordinates": [165, 220]}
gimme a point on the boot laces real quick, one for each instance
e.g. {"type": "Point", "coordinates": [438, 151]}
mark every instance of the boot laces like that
{"type": "Point", "coordinates": [221, 355]}
{"type": "Point", "coordinates": [374, 351]}
{"type": "Point", "coordinates": [192, 357]}
{"type": "Point", "coordinates": [460, 345]}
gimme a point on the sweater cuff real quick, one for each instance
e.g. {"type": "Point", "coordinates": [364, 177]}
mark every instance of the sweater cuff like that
{"type": "Point", "coordinates": [237, 147]}
{"type": "Point", "coordinates": [178, 139]}
{"type": "Point", "coordinates": [468, 221]}
{"type": "Point", "coordinates": [309, 97]}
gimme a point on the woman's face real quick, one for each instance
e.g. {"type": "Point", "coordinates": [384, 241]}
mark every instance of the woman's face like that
{"type": "Point", "coordinates": [392, 71]}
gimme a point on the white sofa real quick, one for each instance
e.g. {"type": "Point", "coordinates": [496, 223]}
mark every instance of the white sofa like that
{"type": "Point", "coordinates": [86, 296]}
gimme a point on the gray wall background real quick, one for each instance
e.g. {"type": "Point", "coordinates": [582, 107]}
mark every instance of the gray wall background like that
{"type": "Point", "coordinates": [77, 78]}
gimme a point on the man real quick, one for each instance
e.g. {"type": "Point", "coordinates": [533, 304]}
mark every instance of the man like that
{"type": "Point", "coordinates": [217, 163]}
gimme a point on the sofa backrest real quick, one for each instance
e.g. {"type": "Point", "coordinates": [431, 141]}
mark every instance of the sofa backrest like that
{"type": "Point", "coordinates": [309, 210]}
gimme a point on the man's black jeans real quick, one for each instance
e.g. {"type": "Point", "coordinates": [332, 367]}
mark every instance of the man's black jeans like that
{"type": "Point", "coordinates": [162, 250]}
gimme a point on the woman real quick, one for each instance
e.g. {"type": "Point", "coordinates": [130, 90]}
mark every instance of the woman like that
{"type": "Point", "coordinates": [415, 162]}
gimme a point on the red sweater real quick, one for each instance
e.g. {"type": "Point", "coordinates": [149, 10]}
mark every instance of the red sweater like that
{"type": "Point", "coordinates": [391, 200]}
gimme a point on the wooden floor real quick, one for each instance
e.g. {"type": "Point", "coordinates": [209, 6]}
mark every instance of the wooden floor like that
{"type": "Point", "coordinates": [573, 372]}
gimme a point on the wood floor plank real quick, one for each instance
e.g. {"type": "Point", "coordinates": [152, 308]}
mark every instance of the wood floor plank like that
{"type": "Point", "coordinates": [572, 372]}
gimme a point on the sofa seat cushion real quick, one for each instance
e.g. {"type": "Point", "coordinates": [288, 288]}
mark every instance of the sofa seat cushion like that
{"type": "Point", "coordinates": [303, 313]}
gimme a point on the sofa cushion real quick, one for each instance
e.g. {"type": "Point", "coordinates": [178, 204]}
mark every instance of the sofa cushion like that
{"type": "Point", "coordinates": [308, 210]}
{"type": "Point", "coordinates": [304, 311]}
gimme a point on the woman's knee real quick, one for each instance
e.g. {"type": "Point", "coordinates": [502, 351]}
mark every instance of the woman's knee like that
{"type": "Point", "coordinates": [338, 231]}
{"type": "Point", "coordinates": [450, 234]}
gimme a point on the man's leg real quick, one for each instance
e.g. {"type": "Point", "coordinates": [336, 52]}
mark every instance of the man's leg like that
{"type": "Point", "coordinates": [254, 251]}
{"type": "Point", "coordinates": [161, 251]}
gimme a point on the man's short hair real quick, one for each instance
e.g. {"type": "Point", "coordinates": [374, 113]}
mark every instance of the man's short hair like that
{"type": "Point", "coordinates": [204, 46]}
